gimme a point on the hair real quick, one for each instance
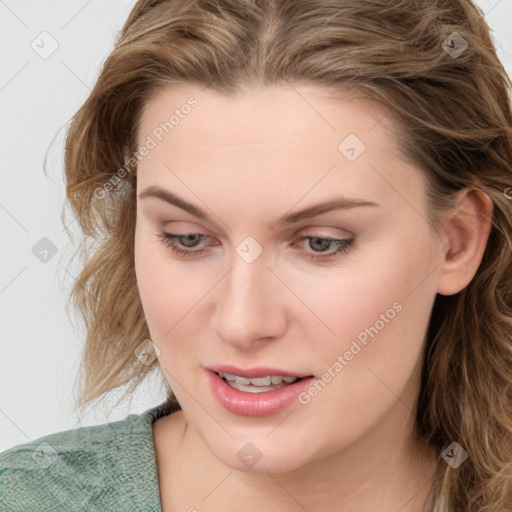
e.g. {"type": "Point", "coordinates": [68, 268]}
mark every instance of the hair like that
{"type": "Point", "coordinates": [452, 118]}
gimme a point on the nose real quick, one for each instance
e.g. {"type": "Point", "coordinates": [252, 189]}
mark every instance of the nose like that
{"type": "Point", "coordinates": [250, 305]}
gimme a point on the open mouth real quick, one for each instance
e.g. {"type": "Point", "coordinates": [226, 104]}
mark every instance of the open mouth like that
{"type": "Point", "coordinates": [260, 392]}
{"type": "Point", "coordinates": [258, 384]}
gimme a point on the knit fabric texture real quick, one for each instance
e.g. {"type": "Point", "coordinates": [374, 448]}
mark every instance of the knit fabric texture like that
{"type": "Point", "coordinates": [97, 468]}
{"type": "Point", "coordinates": [109, 467]}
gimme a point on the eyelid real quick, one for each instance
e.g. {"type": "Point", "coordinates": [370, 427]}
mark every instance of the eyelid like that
{"type": "Point", "coordinates": [321, 232]}
{"type": "Point", "coordinates": [289, 232]}
{"type": "Point", "coordinates": [189, 228]}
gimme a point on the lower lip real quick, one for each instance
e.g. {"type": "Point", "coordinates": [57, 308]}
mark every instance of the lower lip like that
{"type": "Point", "coordinates": [255, 404]}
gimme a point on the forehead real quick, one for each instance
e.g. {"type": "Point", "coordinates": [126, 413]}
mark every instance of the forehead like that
{"type": "Point", "coordinates": [265, 115]}
{"type": "Point", "coordinates": [300, 139]}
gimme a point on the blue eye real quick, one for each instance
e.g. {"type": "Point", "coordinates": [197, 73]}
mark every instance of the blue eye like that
{"type": "Point", "coordinates": [169, 239]}
{"type": "Point", "coordinates": [176, 243]}
{"type": "Point", "coordinates": [340, 246]}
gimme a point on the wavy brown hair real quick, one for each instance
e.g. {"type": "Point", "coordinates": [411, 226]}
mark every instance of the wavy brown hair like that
{"type": "Point", "coordinates": [452, 118]}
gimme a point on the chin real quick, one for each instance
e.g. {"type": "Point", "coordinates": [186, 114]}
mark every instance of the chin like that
{"type": "Point", "coordinates": [262, 456]}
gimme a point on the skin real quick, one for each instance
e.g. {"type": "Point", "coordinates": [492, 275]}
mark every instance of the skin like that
{"type": "Point", "coordinates": [248, 160]}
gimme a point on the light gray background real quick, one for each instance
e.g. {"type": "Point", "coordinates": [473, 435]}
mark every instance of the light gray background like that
{"type": "Point", "coordinates": [39, 347]}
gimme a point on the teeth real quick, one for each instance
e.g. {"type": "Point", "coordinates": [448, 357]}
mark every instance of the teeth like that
{"type": "Point", "coordinates": [258, 381]}
{"type": "Point", "coordinates": [261, 381]}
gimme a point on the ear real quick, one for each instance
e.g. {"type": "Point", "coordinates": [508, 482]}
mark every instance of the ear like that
{"type": "Point", "coordinates": [466, 229]}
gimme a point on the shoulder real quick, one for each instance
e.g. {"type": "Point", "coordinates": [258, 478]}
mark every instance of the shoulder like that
{"type": "Point", "coordinates": [110, 466]}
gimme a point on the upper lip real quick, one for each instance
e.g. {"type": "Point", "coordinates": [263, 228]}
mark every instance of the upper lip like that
{"type": "Point", "coordinates": [255, 372]}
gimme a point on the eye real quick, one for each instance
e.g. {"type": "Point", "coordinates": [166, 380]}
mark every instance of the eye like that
{"type": "Point", "coordinates": [169, 239]}
{"type": "Point", "coordinates": [318, 244]}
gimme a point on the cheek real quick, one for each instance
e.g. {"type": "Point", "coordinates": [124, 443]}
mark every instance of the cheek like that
{"type": "Point", "coordinates": [170, 294]}
{"type": "Point", "coordinates": [354, 296]}
{"type": "Point", "coordinates": [153, 281]}
{"type": "Point", "coordinates": [375, 309]}
{"type": "Point", "coordinates": [388, 319]}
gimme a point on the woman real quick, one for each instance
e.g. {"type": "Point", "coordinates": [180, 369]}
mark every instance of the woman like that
{"type": "Point", "coordinates": [304, 217]}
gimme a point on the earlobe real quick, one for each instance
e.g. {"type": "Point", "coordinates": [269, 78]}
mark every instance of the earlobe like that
{"type": "Point", "coordinates": [466, 231]}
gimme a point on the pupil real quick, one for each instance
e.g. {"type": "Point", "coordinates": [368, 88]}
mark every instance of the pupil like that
{"type": "Point", "coordinates": [189, 238]}
{"type": "Point", "coordinates": [320, 243]}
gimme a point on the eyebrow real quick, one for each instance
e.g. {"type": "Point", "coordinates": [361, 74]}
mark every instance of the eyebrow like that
{"type": "Point", "coordinates": [338, 203]}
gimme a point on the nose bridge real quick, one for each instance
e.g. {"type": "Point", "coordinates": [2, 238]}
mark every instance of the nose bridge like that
{"type": "Point", "coordinates": [248, 307]}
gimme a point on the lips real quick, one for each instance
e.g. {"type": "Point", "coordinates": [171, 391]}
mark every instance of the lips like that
{"type": "Point", "coordinates": [253, 373]}
{"type": "Point", "coordinates": [253, 400]}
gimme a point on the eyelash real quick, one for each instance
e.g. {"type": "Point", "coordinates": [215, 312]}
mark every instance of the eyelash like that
{"type": "Point", "coordinates": [343, 245]}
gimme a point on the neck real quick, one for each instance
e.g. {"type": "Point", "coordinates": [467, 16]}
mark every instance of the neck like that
{"type": "Point", "coordinates": [383, 470]}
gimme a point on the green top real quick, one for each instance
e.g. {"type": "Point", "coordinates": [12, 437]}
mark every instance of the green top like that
{"type": "Point", "coordinates": [98, 468]}
{"type": "Point", "coordinates": [109, 467]}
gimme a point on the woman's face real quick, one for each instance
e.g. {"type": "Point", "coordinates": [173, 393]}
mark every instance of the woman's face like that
{"type": "Point", "coordinates": [264, 292]}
